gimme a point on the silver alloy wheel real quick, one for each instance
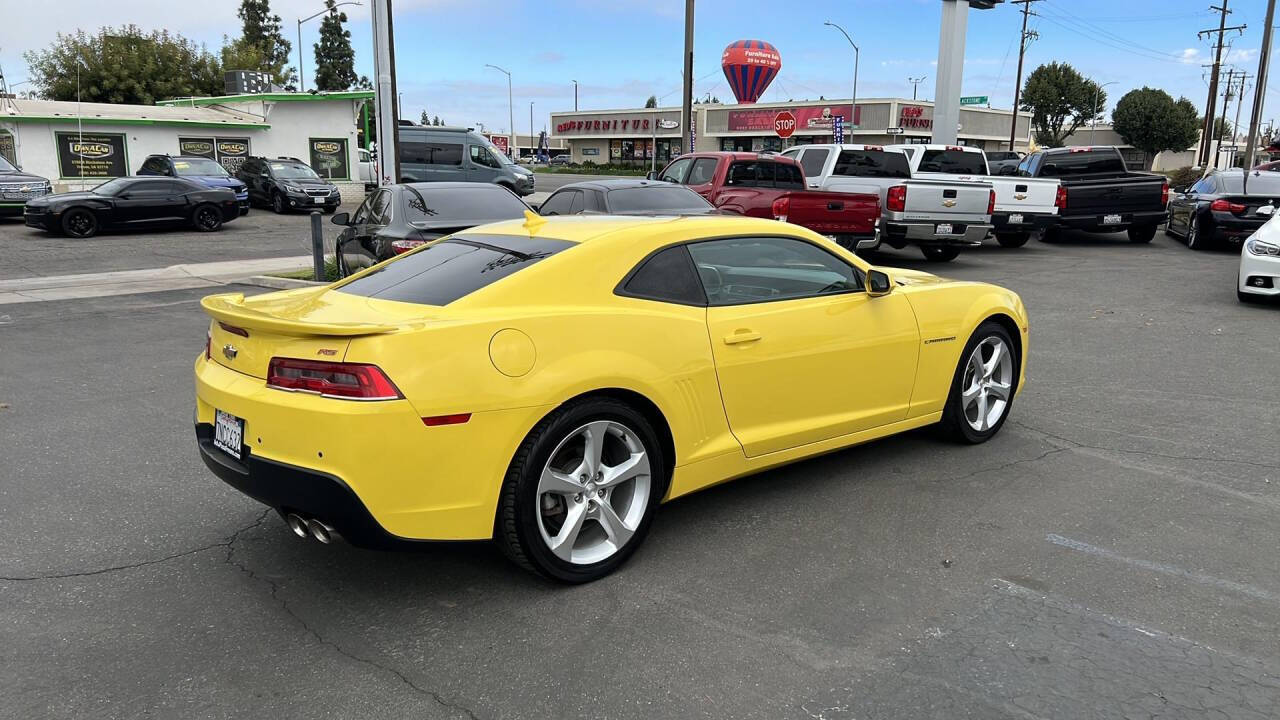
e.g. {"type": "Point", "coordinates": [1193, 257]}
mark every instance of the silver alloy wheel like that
{"type": "Point", "coordinates": [1193, 230]}
{"type": "Point", "coordinates": [988, 383]}
{"type": "Point", "coordinates": [593, 492]}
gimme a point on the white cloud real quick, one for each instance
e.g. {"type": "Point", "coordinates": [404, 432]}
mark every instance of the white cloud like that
{"type": "Point", "coordinates": [1242, 55]}
{"type": "Point", "coordinates": [1189, 56]}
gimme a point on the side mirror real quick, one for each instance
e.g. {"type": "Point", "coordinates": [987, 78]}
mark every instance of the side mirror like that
{"type": "Point", "coordinates": [1179, 190]}
{"type": "Point", "coordinates": [878, 283]}
{"type": "Point", "coordinates": [534, 206]}
{"type": "Point", "coordinates": [341, 218]}
{"type": "Point", "coordinates": [651, 175]}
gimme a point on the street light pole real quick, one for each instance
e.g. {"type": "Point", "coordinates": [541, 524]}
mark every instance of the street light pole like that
{"type": "Point", "coordinates": [302, 83]}
{"type": "Point", "coordinates": [575, 96]}
{"type": "Point", "coordinates": [1097, 90]}
{"type": "Point", "coordinates": [857, 52]}
{"type": "Point", "coordinates": [531, 126]}
{"type": "Point", "coordinates": [511, 115]}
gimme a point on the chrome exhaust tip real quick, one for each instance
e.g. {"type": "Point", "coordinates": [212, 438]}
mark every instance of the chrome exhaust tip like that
{"type": "Point", "coordinates": [297, 525]}
{"type": "Point", "coordinates": [320, 531]}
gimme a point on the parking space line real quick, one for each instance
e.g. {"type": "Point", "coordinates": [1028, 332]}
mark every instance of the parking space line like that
{"type": "Point", "coordinates": [1256, 593]}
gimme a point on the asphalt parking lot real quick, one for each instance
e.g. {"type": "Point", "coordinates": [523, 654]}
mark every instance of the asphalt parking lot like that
{"type": "Point", "coordinates": [1112, 553]}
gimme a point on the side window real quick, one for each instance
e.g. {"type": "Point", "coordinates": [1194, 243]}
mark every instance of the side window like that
{"type": "Point", "coordinates": [176, 187]}
{"type": "Point", "coordinates": [364, 212]}
{"type": "Point", "coordinates": [676, 171]}
{"type": "Point", "coordinates": [787, 176]}
{"type": "Point", "coordinates": [480, 156]}
{"type": "Point", "coordinates": [380, 210]}
{"type": "Point", "coordinates": [702, 172]}
{"type": "Point", "coordinates": [155, 165]}
{"type": "Point", "coordinates": [743, 174]}
{"type": "Point", "coordinates": [1024, 167]}
{"type": "Point", "coordinates": [668, 276]}
{"type": "Point", "coordinates": [558, 204]}
{"type": "Point", "coordinates": [738, 271]}
{"type": "Point", "coordinates": [1204, 186]}
{"type": "Point", "coordinates": [813, 160]}
{"type": "Point", "coordinates": [446, 154]}
{"type": "Point", "coordinates": [576, 204]}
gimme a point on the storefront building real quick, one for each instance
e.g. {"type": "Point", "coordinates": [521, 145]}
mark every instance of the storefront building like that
{"type": "Point", "coordinates": [630, 136]}
{"type": "Point", "coordinates": [79, 145]}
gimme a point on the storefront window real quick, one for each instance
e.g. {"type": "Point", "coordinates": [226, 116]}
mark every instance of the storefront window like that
{"type": "Point", "coordinates": [615, 150]}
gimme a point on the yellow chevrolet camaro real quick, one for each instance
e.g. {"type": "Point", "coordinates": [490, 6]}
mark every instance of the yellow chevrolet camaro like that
{"type": "Point", "coordinates": [548, 383]}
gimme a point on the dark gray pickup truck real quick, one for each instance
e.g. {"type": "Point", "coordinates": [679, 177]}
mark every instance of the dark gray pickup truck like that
{"type": "Point", "coordinates": [1098, 193]}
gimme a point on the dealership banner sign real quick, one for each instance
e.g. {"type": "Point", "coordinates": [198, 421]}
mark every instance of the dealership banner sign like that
{"type": "Point", "coordinates": [230, 153]}
{"type": "Point", "coordinates": [807, 118]}
{"type": "Point", "coordinates": [91, 155]}
{"type": "Point", "coordinates": [329, 158]}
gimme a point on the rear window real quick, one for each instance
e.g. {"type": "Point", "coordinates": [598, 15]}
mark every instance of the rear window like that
{"type": "Point", "coordinates": [872, 163]}
{"type": "Point", "coordinates": [1263, 183]}
{"type": "Point", "coordinates": [482, 203]}
{"type": "Point", "coordinates": [656, 199]}
{"type": "Point", "coordinates": [1081, 162]}
{"type": "Point", "coordinates": [953, 162]}
{"type": "Point", "coordinates": [453, 268]}
{"type": "Point", "coordinates": [1001, 155]}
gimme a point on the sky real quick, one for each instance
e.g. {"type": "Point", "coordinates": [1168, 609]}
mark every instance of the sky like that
{"type": "Point", "coordinates": [623, 51]}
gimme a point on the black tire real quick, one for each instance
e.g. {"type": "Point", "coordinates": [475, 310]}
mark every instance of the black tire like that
{"type": "Point", "coordinates": [939, 253]}
{"type": "Point", "coordinates": [206, 218]}
{"type": "Point", "coordinates": [277, 203]}
{"type": "Point", "coordinates": [1013, 240]}
{"type": "Point", "coordinates": [516, 528]}
{"type": "Point", "coordinates": [1194, 239]}
{"type": "Point", "coordinates": [79, 223]}
{"type": "Point", "coordinates": [953, 425]}
{"type": "Point", "coordinates": [1142, 233]}
{"type": "Point", "coordinates": [1168, 225]}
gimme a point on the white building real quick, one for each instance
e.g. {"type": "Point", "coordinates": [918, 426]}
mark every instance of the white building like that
{"type": "Point", "coordinates": [78, 145]}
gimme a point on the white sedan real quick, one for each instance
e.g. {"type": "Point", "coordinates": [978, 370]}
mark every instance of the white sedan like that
{"type": "Point", "coordinates": [1260, 264]}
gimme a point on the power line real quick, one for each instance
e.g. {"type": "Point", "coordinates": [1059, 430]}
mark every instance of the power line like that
{"type": "Point", "coordinates": [1093, 27]}
{"type": "Point", "coordinates": [1091, 35]}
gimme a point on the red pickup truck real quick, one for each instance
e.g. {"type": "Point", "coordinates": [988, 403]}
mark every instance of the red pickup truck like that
{"type": "Point", "coordinates": [771, 186]}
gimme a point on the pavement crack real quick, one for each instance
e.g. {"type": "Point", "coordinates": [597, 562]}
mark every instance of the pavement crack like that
{"type": "Point", "coordinates": [1012, 463]}
{"type": "Point", "coordinates": [145, 563]}
{"type": "Point", "coordinates": [1073, 444]}
{"type": "Point", "coordinates": [288, 610]}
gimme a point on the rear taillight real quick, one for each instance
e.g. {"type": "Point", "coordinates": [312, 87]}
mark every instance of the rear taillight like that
{"type": "Point", "coordinates": [400, 247]}
{"type": "Point", "coordinates": [1226, 206]}
{"type": "Point", "coordinates": [897, 199]}
{"type": "Point", "coordinates": [781, 208]}
{"type": "Point", "coordinates": [1164, 194]}
{"type": "Point", "coordinates": [1060, 200]}
{"type": "Point", "coordinates": [348, 381]}
{"type": "Point", "coordinates": [991, 202]}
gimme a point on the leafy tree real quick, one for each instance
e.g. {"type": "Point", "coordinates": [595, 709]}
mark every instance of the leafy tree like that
{"type": "Point", "coordinates": [335, 59]}
{"type": "Point", "coordinates": [1222, 127]}
{"type": "Point", "coordinates": [652, 102]}
{"type": "Point", "coordinates": [1151, 121]}
{"type": "Point", "coordinates": [261, 42]}
{"type": "Point", "coordinates": [1060, 100]}
{"type": "Point", "coordinates": [124, 65]}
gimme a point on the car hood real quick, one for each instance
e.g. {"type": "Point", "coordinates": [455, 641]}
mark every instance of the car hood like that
{"type": "Point", "coordinates": [308, 183]}
{"type": "Point", "coordinates": [214, 181]}
{"type": "Point", "coordinates": [21, 177]}
{"type": "Point", "coordinates": [903, 276]}
{"type": "Point", "coordinates": [60, 197]}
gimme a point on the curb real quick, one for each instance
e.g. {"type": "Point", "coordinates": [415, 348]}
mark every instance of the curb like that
{"type": "Point", "coordinates": [278, 283]}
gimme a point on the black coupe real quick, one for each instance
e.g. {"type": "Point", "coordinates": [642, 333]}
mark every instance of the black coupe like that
{"type": "Point", "coordinates": [133, 203]}
{"type": "Point", "coordinates": [1216, 207]}
{"type": "Point", "coordinates": [398, 218]}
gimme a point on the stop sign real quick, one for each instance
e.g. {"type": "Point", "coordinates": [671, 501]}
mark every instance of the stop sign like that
{"type": "Point", "coordinates": [784, 124]}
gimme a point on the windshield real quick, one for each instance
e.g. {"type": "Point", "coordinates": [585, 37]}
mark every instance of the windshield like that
{"type": "Point", "coordinates": [657, 199]}
{"type": "Point", "coordinates": [111, 187]}
{"type": "Point", "coordinates": [194, 167]}
{"type": "Point", "coordinates": [290, 171]}
{"type": "Point", "coordinates": [484, 203]}
{"type": "Point", "coordinates": [953, 162]}
{"type": "Point", "coordinates": [1260, 183]}
{"type": "Point", "coordinates": [499, 155]}
{"type": "Point", "coordinates": [6, 166]}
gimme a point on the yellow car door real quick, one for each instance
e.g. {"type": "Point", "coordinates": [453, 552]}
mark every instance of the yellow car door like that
{"type": "Point", "coordinates": [802, 352]}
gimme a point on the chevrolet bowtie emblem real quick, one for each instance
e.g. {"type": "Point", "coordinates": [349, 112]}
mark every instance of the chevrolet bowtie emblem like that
{"type": "Point", "coordinates": [230, 351]}
{"type": "Point", "coordinates": [948, 203]}
{"type": "Point", "coordinates": [25, 188]}
{"type": "Point", "coordinates": [1020, 196]}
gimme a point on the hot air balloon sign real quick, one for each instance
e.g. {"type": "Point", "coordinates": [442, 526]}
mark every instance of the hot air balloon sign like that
{"type": "Point", "coordinates": [749, 66]}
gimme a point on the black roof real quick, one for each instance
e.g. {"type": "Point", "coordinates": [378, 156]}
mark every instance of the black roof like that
{"type": "Point", "coordinates": [453, 186]}
{"type": "Point", "coordinates": [617, 184]}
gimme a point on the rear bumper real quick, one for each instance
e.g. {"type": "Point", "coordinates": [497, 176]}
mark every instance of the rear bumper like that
{"type": "Point", "coordinates": [898, 232]}
{"type": "Point", "coordinates": [1233, 229]}
{"type": "Point", "coordinates": [289, 488]}
{"type": "Point", "coordinates": [1094, 223]}
{"type": "Point", "coordinates": [1031, 222]}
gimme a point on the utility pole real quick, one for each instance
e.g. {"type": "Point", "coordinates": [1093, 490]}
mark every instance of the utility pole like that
{"type": "Point", "coordinates": [686, 95]}
{"type": "Point", "coordinates": [1235, 126]}
{"type": "Point", "coordinates": [915, 83]}
{"type": "Point", "coordinates": [1259, 93]}
{"type": "Point", "coordinates": [1206, 136]}
{"type": "Point", "coordinates": [1022, 50]}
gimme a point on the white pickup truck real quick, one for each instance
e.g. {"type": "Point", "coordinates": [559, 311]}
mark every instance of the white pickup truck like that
{"type": "Point", "coordinates": [1023, 205]}
{"type": "Point", "coordinates": [941, 216]}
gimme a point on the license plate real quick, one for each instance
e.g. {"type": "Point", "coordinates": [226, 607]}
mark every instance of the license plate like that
{"type": "Point", "coordinates": [1111, 219]}
{"type": "Point", "coordinates": [228, 433]}
{"type": "Point", "coordinates": [318, 201]}
{"type": "Point", "coordinates": [1015, 219]}
{"type": "Point", "coordinates": [942, 229]}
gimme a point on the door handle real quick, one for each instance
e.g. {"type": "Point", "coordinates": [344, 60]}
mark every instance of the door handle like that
{"type": "Point", "coordinates": [741, 336]}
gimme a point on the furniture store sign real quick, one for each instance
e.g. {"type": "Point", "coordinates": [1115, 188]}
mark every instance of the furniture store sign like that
{"type": "Point", "coordinates": [91, 155]}
{"type": "Point", "coordinates": [915, 116]}
{"type": "Point", "coordinates": [638, 124]}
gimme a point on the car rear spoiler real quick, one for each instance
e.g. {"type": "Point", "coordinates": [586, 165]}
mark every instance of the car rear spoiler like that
{"type": "Point", "coordinates": [230, 308]}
